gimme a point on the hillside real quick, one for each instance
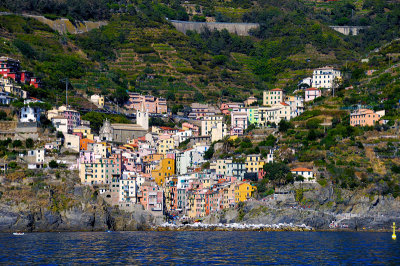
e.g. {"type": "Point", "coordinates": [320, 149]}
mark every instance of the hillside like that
{"type": "Point", "coordinates": [140, 51]}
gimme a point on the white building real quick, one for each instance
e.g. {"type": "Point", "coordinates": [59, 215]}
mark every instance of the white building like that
{"type": "Point", "coordinates": [214, 126]}
{"type": "Point", "coordinates": [270, 156]}
{"type": "Point", "coordinates": [128, 188]}
{"type": "Point", "coordinates": [325, 77]}
{"type": "Point", "coordinates": [307, 81]}
{"type": "Point", "coordinates": [71, 142]}
{"type": "Point", "coordinates": [304, 172]}
{"type": "Point", "coordinates": [35, 159]}
{"type": "Point", "coordinates": [30, 113]}
{"type": "Point", "coordinates": [181, 136]}
{"type": "Point", "coordinates": [296, 104]}
{"type": "Point", "coordinates": [60, 123]}
{"type": "Point", "coordinates": [187, 159]}
{"type": "Point", "coordinates": [274, 114]}
{"type": "Point", "coordinates": [98, 100]}
{"type": "Point", "coordinates": [5, 99]}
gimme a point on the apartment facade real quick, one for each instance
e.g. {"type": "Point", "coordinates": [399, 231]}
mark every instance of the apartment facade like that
{"type": "Point", "coordinates": [272, 97]}
{"type": "Point", "coordinates": [326, 77]}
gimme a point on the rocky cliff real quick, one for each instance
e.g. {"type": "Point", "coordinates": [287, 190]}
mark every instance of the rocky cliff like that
{"type": "Point", "coordinates": [318, 207]}
{"type": "Point", "coordinates": [59, 203]}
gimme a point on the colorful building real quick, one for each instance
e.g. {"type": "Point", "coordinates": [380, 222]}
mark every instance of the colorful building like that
{"type": "Point", "coordinates": [254, 163]}
{"type": "Point", "coordinates": [365, 117]}
{"type": "Point", "coordinates": [153, 104]}
{"type": "Point", "coordinates": [244, 191]}
{"type": "Point", "coordinates": [164, 169]}
{"type": "Point", "coordinates": [272, 97]}
{"type": "Point", "coordinates": [311, 94]}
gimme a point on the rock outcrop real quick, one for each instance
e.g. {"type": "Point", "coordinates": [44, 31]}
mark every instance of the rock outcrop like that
{"type": "Point", "coordinates": [91, 218]}
{"type": "Point", "coordinates": [320, 208]}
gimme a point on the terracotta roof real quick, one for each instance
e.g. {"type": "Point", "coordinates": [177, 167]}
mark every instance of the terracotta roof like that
{"type": "Point", "coordinates": [277, 89]}
{"type": "Point", "coordinates": [301, 169]}
{"type": "Point", "coordinates": [168, 128]}
{"type": "Point", "coordinates": [285, 104]}
{"type": "Point", "coordinates": [312, 89]}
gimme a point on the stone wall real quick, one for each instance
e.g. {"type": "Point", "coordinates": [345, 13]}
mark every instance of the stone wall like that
{"type": "Point", "coordinates": [63, 25]}
{"type": "Point", "coordinates": [241, 29]}
{"type": "Point", "coordinates": [348, 30]}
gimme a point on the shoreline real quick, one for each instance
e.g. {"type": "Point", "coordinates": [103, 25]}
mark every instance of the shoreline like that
{"type": "Point", "coordinates": [166, 229]}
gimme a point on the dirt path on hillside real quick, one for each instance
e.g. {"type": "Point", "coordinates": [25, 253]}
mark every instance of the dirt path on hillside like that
{"type": "Point", "coordinates": [377, 165]}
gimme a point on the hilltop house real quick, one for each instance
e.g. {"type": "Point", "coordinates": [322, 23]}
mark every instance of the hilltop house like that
{"type": "Point", "coordinates": [365, 117]}
{"type": "Point", "coordinates": [326, 77]}
{"type": "Point", "coordinates": [304, 172]}
{"type": "Point", "coordinates": [311, 94]}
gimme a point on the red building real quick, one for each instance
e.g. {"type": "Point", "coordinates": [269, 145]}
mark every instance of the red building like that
{"type": "Point", "coordinates": [35, 82]}
{"type": "Point", "coordinates": [11, 68]}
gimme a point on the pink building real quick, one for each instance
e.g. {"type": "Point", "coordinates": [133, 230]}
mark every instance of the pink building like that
{"type": "Point", "coordinates": [195, 129]}
{"type": "Point", "coordinates": [226, 108]}
{"type": "Point", "coordinates": [365, 117]}
{"type": "Point", "coordinates": [73, 118]}
{"type": "Point", "coordinates": [239, 122]}
{"type": "Point", "coordinates": [153, 104]}
{"type": "Point", "coordinates": [200, 111]}
{"type": "Point", "coordinates": [151, 197]}
{"type": "Point", "coordinates": [250, 101]}
{"type": "Point", "coordinates": [311, 94]}
{"type": "Point", "coordinates": [87, 157]}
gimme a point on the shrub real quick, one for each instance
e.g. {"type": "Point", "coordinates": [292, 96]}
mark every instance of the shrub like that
{"type": "Point", "coordinates": [53, 164]}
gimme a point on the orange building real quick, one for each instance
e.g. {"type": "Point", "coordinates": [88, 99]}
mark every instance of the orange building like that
{"type": "Point", "coordinates": [83, 143]}
{"type": "Point", "coordinates": [164, 169]}
{"type": "Point", "coordinates": [365, 117]}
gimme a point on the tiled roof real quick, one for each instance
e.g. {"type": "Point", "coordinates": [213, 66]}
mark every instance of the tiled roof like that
{"type": "Point", "coordinates": [301, 169]}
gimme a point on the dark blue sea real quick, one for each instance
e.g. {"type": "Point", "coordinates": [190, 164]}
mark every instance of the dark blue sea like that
{"type": "Point", "coordinates": [226, 248]}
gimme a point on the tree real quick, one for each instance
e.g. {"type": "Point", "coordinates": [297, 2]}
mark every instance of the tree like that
{"type": "Point", "coordinates": [299, 178]}
{"type": "Point", "coordinates": [199, 97]}
{"type": "Point", "coordinates": [170, 96]}
{"type": "Point", "coordinates": [121, 96]}
{"type": "Point", "coordinates": [29, 143]}
{"type": "Point", "coordinates": [3, 115]}
{"type": "Point", "coordinates": [284, 125]}
{"type": "Point", "coordinates": [17, 143]}
{"type": "Point", "coordinates": [276, 172]}
{"type": "Point", "coordinates": [269, 141]}
{"type": "Point", "coordinates": [209, 153]}
{"type": "Point", "coordinates": [12, 165]}
{"type": "Point", "coordinates": [53, 164]}
{"type": "Point", "coordinates": [176, 108]}
{"type": "Point", "coordinates": [60, 135]}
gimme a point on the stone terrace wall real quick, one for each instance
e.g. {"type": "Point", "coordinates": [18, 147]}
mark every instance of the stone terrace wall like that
{"type": "Point", "coordinates": [63, 25]}
{"type": "Point", "coordinates": [241, 29]}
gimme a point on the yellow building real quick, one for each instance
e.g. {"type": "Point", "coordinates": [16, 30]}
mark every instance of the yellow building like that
{"type": "Point", "coordinates": [165, 145]}
{"type": "Point", "coordinates": [254, 163]}
{"type": "Point", "coordinates": [98, 100]}
{"type": "Point", "coordinates": [243, 191]}
{"type": "Point", "coordinates": [86, 132]}
{"type": "Point", "coordinates": [153, 157]}
{"type": "Point", "coordinates": [164, 169]}
{"type": "Point", "coordinates": [273, 97]}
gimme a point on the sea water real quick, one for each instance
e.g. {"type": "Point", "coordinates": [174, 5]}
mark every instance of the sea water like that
{"type": "Point", "coordinates": [226, 248]}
